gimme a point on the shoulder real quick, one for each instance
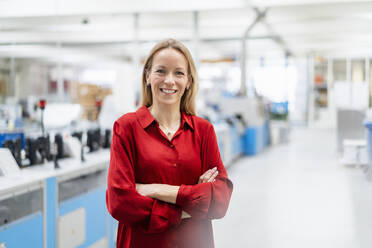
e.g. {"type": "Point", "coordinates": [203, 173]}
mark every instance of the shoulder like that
{"type": "Point", "coordinates": [125, 123]}
{"type": "Point", "coordinates": [204, 130]}
{"type": "Point", "coordinates": [127, 119]}
{"type": "Point", "coordinates": [200, 124]}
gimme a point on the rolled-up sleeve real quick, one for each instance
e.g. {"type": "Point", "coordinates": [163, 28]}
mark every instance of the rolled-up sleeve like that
{"type": "Point", "coordinates": [208, 200]}
{"type": "Point", "coordinates": [124, 203]}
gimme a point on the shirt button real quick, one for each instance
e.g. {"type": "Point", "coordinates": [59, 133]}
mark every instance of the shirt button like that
{"type": "Point", "coordinates": [174, 165]}
{"type": "Point", "coordinates": [171, 145]}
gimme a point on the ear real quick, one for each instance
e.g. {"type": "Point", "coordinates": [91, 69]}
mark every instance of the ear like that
{"type": "Point", "coordinates": [188, 85]}
{"type": "Point", "coordinates": [189, 82]}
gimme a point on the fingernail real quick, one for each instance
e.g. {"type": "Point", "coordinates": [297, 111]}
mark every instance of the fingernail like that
{"type": "Point", "coordinates": [215, 168]}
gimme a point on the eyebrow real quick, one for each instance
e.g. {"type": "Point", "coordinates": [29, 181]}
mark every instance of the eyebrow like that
{"type": "Point", "coordinates": [177, 68]}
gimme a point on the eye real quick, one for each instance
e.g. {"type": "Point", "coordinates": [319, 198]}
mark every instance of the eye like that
{"type": "Point", "coordinates": [160, 71]}
{"type": "Point", "coordinates": [180, 73]}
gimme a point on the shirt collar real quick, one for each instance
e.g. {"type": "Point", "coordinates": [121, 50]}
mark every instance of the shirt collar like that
{"type": "Point", "coordinates": [145, 118]}
{"type": "Point", "coordinates": [187, 119]}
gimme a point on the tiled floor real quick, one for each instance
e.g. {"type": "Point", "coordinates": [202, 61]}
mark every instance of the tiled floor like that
{"type": "Point", "coordinates": [297, 195]}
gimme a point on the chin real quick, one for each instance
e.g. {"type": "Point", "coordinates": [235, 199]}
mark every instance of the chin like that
{"type": "Point", "coordinates": [169, 102]}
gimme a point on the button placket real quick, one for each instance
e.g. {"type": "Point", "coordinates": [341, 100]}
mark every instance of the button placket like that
{"type": "Point", "coordinates": [175, 164]}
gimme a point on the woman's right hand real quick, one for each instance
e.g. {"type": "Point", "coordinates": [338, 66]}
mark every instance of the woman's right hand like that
{"type": "Point", "coordinates": [209, 176]}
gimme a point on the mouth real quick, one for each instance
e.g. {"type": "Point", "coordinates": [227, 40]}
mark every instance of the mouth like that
{"type": "Point", "coordinates": [168, 91]}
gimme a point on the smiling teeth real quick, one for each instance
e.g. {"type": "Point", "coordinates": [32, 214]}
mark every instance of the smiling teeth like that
{"type": "Point", "coordinates": [168, 91]}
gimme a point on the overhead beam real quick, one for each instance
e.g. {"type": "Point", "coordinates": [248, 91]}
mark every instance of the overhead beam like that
{"type": "Point", "coordinates": [90, 43]}
{"type": "Point", "coordinates": [196, 38]}
{"type": "Point", "coordinates": [243, 66]}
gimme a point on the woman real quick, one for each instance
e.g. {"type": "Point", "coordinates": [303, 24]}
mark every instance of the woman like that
{"type": "Point", "coordinates": [166, 180]}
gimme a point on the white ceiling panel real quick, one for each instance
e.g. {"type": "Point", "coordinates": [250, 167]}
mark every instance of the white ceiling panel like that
{"type": "Point", "coordinates": [11, 8]}
{"type": "Point", "coordinates": [327, 27]}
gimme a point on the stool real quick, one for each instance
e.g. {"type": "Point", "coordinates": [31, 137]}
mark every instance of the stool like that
{"type": "Point", "coordinates": [353, 152]}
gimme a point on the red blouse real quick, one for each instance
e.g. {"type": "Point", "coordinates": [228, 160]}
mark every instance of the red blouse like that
{"type": "Point", "coordinates": [141, 153]}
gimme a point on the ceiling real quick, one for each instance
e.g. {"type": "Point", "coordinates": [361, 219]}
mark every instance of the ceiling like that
{"type": "Point", "coordinates": [66, 30]}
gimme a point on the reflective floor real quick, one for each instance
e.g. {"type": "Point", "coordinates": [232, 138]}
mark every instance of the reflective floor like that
{"type": "Point", "coordinates": [297, 195]}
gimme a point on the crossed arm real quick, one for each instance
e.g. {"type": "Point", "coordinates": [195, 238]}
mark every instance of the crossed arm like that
{"type": "Point", "coordinates": [168, 193]}
{"type": "Point", "coordinates": [154, 208]}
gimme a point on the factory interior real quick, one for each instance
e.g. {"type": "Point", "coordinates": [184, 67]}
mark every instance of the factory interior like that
{"type": "Point", "coordinates": [286, 84]}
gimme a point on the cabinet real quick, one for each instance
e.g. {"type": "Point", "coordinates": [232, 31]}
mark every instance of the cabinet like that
{"type": "Point", "coordinates": [339, 82]}
{"type": "Point", "coordinates": [21, 218]}
{"type": "Point", "coordinates": [351, 83]}
{"type": "Point", "coordinates": [44, 207]}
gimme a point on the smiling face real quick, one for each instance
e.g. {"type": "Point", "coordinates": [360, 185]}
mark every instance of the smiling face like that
{"type": "Point", "coordinates": [168, 77]}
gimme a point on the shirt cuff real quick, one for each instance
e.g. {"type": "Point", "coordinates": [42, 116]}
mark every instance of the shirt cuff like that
{"type": "Point", "coordinates": [183, 195]}
{"type": "Point", "coordinates": [164, 216]}
{"type": "Point", "coordinates": [195, 199]}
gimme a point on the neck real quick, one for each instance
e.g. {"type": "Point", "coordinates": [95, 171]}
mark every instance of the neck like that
{"type": "Point", "coordinates": [167, 116]}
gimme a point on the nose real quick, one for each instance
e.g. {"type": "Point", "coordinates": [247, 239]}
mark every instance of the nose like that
{"type": "Point", "coordinates": [169, 78]}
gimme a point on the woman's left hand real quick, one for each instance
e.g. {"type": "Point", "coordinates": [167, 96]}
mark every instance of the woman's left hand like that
{"type": "Point", "coordinates": [209, 176]}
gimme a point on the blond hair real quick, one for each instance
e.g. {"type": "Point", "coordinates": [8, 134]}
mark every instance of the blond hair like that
{"type": "Point", "coordinates": [188, 99]}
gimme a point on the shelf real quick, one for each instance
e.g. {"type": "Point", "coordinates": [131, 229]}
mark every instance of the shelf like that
{"type": "Point", "coordinates": [320, 86]}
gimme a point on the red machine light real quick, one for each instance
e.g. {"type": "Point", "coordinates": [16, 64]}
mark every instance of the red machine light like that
{"type": "Point", "coordinates": [98, 103]}
{"type": "Point", "coordinates": [42, 104]}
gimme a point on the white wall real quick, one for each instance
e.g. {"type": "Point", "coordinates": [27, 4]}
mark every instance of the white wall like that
{"type": "Point", "coordinates": [124, 89]}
